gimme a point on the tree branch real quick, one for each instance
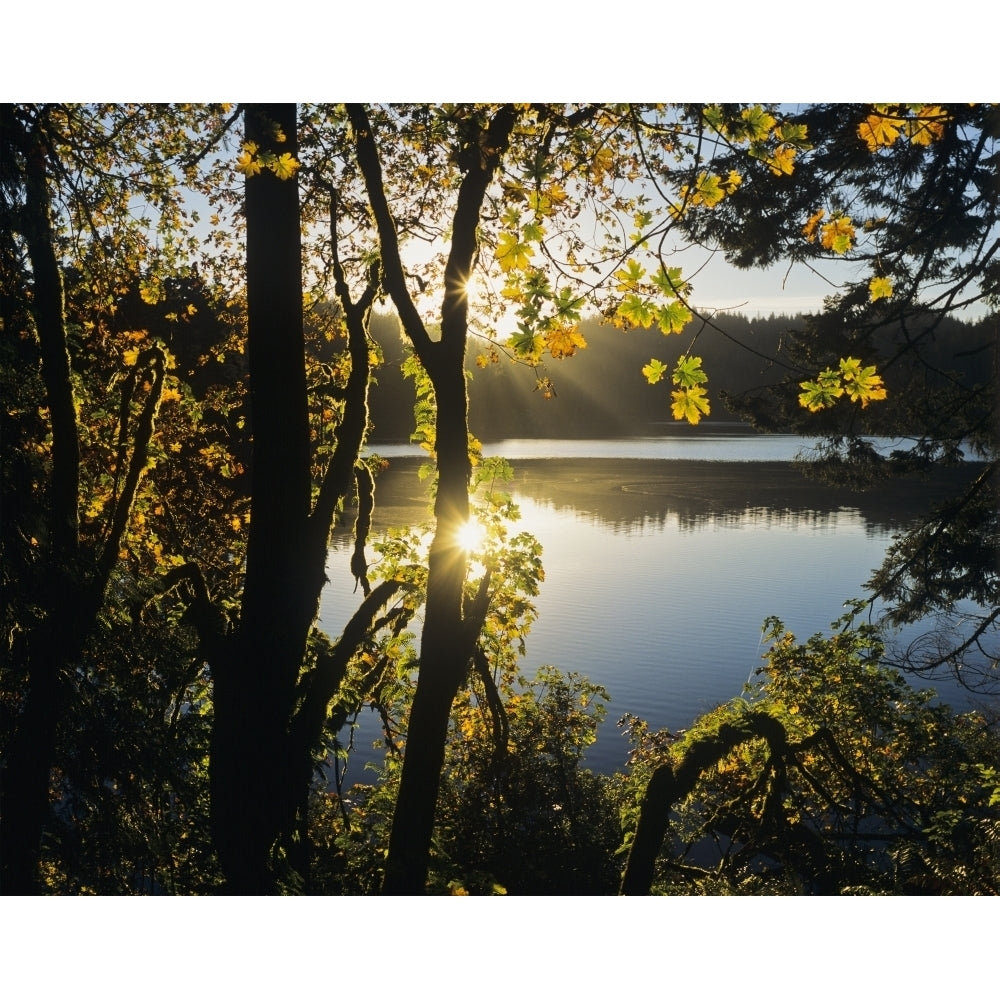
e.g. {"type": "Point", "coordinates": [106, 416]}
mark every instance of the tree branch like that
{"type": "Point", "coordinates": [392, 264]}
{"type": "Point", "coordinates": [322, 684]}
{"type": "Point", "coordinates": [50, 321]}
{"type": "Point", "coordinates": [153, 361]}
{"type": "Point", "coordinates": [350, 432]}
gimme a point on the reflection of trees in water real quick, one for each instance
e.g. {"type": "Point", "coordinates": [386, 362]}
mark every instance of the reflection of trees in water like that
{"type": "Point", "coordinates": [635, 496]}
{"type": "Point", "coordinates": [629, 496]}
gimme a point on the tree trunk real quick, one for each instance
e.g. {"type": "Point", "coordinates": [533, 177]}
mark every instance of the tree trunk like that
{"type": "Point", "coordinates": [448, 638]}
{"type": "Point", "coordinates": [255, 679]}
{"type": "Point", "coordinates": [445, 650]}
{"type": "Point", "coordinates": [65, 617]}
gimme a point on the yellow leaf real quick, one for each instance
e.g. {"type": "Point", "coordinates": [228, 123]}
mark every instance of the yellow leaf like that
{"type": "Point", "coordinates": [861, 383]}
{"type": "Point", "coordinates": [879, 288]}
{"type": "Point", "coordinates": [512, 255]}
{"type": "Point", "coordinates": [285, 166]}
{"type": "Point", "coordinates": [809, 229]}
{"type": "Point", "coordinates": [130, 357]}
{"type": "Point", "coordinates": [928, 126]}
{"type": "Point", "coordinates": [879, 130]}
{"type": "Point", "coordinates": [838, 235]}
{"type": "Point", "coordinates": [707, 190]}
{"type": "Point", "coordinates": [246, 163]}
{"type": "Point", "coordinates": [689, 404]}
{"type": "Point", "coordinates": [564, 340]}
{"type": "Point", "coordinates": [556, 192]}
{"type": "Point", "coordinates": [601, 163]}
{"type": "Point", "coordinates": [150, 291]}
{"type": "Point", "coordinates": [759, 123]}
{"type": "Point", "coordinates": [782, 160]}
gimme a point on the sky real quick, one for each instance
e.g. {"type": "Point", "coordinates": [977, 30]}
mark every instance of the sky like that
{"type": "Point", "coordinates": [779, 289]}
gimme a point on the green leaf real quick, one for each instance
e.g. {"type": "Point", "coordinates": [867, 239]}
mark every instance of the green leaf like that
{"type": "Point", "coordinates": [824, 392]}
{"type": "Point", "coordinates": [688, 373]}
{"type": "Point", "coordinates": [669, 281]}
{"type": "Point", "coordinates": [567, 304]}
{"type": "Point", "coordinates": [533, 232]}
{"type": "Point", "coordinates": [629, 276]}
{"type": "Point", "coordinates": [637, 311]}
{"type": "Point", "coordinates": [673, 317]}
{"type": "Point", "coordinates": [654, 371]}
{"type": "Point", "coordinates": [758, 122]}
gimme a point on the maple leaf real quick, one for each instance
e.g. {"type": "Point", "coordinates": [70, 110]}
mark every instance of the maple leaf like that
{"type": "Point", "coordinates": [880, 129]}
{"type": "Point", "coordinates": [782, 160]}
{"type": "Point", "coordinates": [669, 281]}
{"type": "Point", "coordinates": [563, 341]}
{"type": "Point", "coordinates": [527, 345]}
{"type": "Point", "coordinates": [715, 119]}
{"type": "Point", "coordinates": [512, 254]}
{"type": "Point", "coordinates": [809, 229]}
{"type": "Point", "coordinates": [673, 317]}
{"type": "Point", "coordinates": [629, 276]}
{"type": "Point", "coordinates": [732, 181]}
{"type": "Point", "coordinates": [533, 232]}
{"type": "Point", "coordinates": [513, 290]}
{"type": "Point", "coordinates": [879, 288]}
{"type": "Point", "coordinates": [246, 163]}
{"type": "Point", "coordinates": [284, 166]}
{"type": "Point", "coordinates": [759, 123]}
{"type": "Point", "coordinates": [654, 371]}
{"type": "Point", "coordinates": [151, 291]}
{"type": "Point", "coordinates": [838, 235]}
{"type": "Point", "coordinates": [556, 192]}
{"type": "Point", "coordinates": [539, 203]}
{"type": "Point", "coordinates": [689, 404]}
{"type": "Point", "coordinates": [862, 384]}
{"type": "Point", "coordinates": [707, 190]}
{"type": "Point", "coordinates": [636, 311]}
{"type": "Point", "coordinates": [567, 304]}
{"type": "Point", "coordinates": [795, 133]}
{"type": "Point", "coordinates": [825, 391]}
{"type": "Point", "coordinates": [928, 126]}
{"type": "Point", "coordinates": [601, 163]}
{"type": "Point", "coordinates": [688, 373]}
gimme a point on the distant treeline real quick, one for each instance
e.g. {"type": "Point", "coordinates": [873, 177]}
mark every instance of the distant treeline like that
{"type": "Point", "coordinates": [600, 391]}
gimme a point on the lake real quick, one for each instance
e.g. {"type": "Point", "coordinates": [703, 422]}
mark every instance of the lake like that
{"type": "Point", "coordinates": [662, 558]}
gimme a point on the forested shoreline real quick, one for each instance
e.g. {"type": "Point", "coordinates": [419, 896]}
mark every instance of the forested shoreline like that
{"type": "Point", "coordinates": [598, 394]}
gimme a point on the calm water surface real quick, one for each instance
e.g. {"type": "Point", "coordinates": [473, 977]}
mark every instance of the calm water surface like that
{"type": "Point", "coordinates": [661, 563]}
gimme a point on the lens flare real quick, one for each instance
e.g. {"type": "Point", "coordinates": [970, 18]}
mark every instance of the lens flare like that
{"type": "Point", "coordinates": [471, 535]}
